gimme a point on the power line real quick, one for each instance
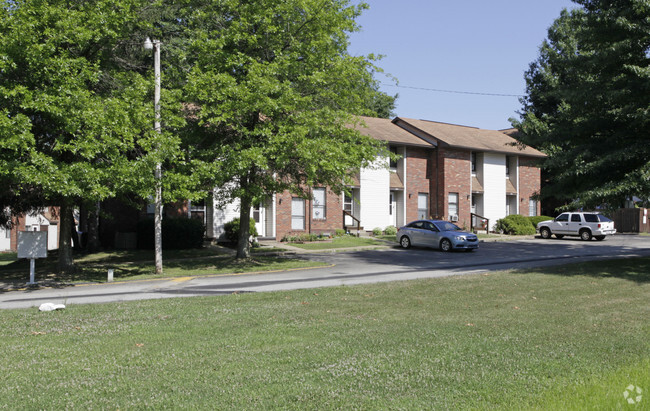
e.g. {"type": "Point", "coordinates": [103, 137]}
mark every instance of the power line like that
{"type": "Point", "coordinates": [454, 91]}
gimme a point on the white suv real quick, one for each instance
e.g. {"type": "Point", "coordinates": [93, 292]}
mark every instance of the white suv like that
{"type": "Point", "coordinates": [584, 225]}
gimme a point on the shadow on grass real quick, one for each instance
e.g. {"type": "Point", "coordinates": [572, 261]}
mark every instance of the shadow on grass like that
{"type": "Point", "coordinates": [93, 267]}
{"type": "Point", "coordinates": [631, 269]}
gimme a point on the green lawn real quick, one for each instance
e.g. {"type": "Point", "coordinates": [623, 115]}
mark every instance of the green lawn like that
{"type": "Point", "coordinates": [571, 337]}
{"type": "Point", "coordinates": [340, 242]}
{"type": "Point", "coordinates": [139, 265]}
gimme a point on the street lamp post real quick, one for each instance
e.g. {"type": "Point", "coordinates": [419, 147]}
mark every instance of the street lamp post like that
{"type": "Point", "coordinates": [155, 46]}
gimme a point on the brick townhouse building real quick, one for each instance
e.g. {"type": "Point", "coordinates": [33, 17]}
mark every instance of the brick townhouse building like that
{"type": "Point", "coordinates": [462, 174]}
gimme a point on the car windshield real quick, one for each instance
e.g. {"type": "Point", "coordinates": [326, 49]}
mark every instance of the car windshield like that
{"type": "Point", "coordinates": [446, 226]}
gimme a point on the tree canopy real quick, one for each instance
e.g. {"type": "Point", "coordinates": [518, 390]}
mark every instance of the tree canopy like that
{"type": "Point", "coordinates": [587, 104]}
{"type": "Point", "coordinates": [75, 113]}
{"type": "Point", "coordinates": [273, 93]}
{"type": "Point", "coordinates": [258, 97]}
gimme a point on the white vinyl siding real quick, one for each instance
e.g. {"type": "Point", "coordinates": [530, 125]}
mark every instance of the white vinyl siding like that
{"type": "Point", "coordinates": [375, 188]}
{"type": "Point", "coordinates": [494, 186]}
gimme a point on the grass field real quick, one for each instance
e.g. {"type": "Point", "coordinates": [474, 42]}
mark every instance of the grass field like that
{"type": "Point", "coordinates": [570, 337]}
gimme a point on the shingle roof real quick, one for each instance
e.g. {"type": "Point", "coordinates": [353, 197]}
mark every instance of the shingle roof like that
{"type": "Point", "coordinates": [471, 138]}
{"type": "Point", "coordinates": [384, 129]}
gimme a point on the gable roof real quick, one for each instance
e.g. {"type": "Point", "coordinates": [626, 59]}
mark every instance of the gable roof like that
{"type": "Point", "coordinates": [385, 130]}
{"type": "Point", "coordinates": [465, 137]}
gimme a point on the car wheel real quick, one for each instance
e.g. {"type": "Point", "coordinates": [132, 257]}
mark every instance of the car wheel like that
{"type": "Point", "coordinates": [560, 236]}
{"type": "Point", "coordinates": [405, 242]}
{"type": "Point", "coordinates": [545, 233]}
{"type": "Point", "coordinates": [585, 235]}
{"type": "Point", "coordinates": [445, 245]}
{"type": "Point", "coordinates": [600, 237]}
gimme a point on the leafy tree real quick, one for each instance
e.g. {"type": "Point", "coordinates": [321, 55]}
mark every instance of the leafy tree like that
{"type": "Point", "coordinates": [272, 91]}
{"type": "Point", "coordinates": [75, 116]}
{"type": "Point", "coordinates": [587, 102]}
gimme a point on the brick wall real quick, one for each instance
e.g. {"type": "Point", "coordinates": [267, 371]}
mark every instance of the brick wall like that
{"type": "Point", "coordinates": [418, 173]}
{"type": "Point", "coordinates": [457, 176]}
{"type": "Point", "coordinates": [18, 224]}
{"type": "Point", "coordinates": [333, 215]}
{"type": "Point", "coordinates": [529, 183]}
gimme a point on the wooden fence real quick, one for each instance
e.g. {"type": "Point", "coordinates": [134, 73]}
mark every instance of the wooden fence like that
{"type": "Point", "coordinates": [632, 220]}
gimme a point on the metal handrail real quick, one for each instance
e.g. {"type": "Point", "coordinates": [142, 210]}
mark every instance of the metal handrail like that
{"type": "Point", "coordinates": [471, 220]}
{"type": "Point", "coordinates": [354, 218]}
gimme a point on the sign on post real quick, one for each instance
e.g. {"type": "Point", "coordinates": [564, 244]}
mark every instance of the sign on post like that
{"type": "Point", "coordinates": [32, 245]}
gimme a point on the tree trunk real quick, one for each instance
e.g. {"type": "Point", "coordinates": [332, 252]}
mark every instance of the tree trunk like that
{"type": "Point", "coordinates": [243, 244]}
{"type": "Point", "coordinates": [66, 263]}
{"type": "Point", "coordinates": [93, 244]}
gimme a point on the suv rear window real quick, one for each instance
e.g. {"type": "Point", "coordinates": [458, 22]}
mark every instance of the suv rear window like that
{"type": "Point", "coordinates": [591, 218]}
{"type": "Point", "coordinates": [594, 218]}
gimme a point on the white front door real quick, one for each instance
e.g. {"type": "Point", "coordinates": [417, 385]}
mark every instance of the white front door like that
{"type": "Point", "coordinates": [259, 215]}
{"type": "Point", "coordinates": [393, 210]}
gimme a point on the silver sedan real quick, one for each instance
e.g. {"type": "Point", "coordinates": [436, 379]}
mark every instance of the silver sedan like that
{"type": "Point", "coordinates": [437, 234]}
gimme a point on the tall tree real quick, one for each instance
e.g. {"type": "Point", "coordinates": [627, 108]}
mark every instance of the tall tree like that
{"type": "Point", "coordinates": [588, 96]}
{"type": "Point", "coordinates": [75, 118]}
{"type": "Point", "coordinates": [273, 90]}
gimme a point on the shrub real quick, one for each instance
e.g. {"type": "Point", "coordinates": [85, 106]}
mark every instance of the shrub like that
{"type": "Point", "coordinates": [390, 230]}
{"type": "Point", "coordinates": [376, 231]}
{"type": "Point", "coordinates": [515, 224]}
{"type": "Point", "coordinates": [232, 230]}
{"type": "Point", "coordinates": [304, 237]}
{"type": "Point", "coordinates": [339, 232]}
{"type": "Point", "coordinates": [534, 220]}
{"type": "Point", "coordinates": [177, 233]}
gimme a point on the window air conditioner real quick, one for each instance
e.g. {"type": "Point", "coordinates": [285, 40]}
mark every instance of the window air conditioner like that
{"type": "Point", "coordinates": [454, 218]}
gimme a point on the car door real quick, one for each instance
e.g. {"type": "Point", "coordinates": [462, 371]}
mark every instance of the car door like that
{"type": "Point", "coordinates": [430, 235]}
{"type": "Point", "coordinates": [416, 232]}
{"type": "Point", "coordinates": [575, 224]}
{"type": "Point", "coordinates": [561, 224]}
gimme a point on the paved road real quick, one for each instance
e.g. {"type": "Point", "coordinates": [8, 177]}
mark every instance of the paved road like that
{"type": "Point", "coordinates": [391, 264]}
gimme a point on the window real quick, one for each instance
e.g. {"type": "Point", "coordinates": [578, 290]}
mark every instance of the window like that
{"type": "Point", "coordinates": [473, 160]}
{"type": "Point", "coordinates": [393, 151]}
{"type": "Point", "coordinates": [507, 165]}
{"type": "Point", "coordinates": [453, 204]}
{"type": "Point", "coordinates": [297, 214]}
{"type": "Point", "coordinates": [575, 218]}
{"type": "Point", "coordinates": [423, 205]}
{"type": "Point", "coordinates": [347, 203]}
{"type": "Point", "coordinates": [562, 217]}
{"type": "Point", "coordinates": [532, 207]}
{"type": "Point", "coordinates": [256, 213]}
{"type": "Point", "coordinates": [318, 206]}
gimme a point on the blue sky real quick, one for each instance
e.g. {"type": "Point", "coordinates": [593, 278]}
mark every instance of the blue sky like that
{"type": "Point", "coordinates": [473, 46]}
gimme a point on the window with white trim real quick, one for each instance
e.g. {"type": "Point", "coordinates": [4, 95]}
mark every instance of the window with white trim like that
{"type": "Point", "coordinates": [318, 206]}
{"type": "Point", "coordinates": [297, 214]}
{"type": "Point", "coordinates": [453, 204]}
{"type": "Point", "coordinates": [532, 207]}
{"type": "Point", "coordinates": [423, 206]}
